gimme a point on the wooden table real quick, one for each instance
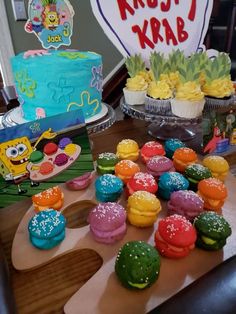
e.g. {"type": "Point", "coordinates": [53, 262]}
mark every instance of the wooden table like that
{"type": "Point", "coordinates": [47, 290]}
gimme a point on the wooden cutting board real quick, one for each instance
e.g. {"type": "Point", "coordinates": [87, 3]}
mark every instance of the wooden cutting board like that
{"type": "Point", "coordinates": [103, 293]}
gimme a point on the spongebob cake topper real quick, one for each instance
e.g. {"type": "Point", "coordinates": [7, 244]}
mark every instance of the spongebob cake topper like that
{"type": "Point", "coordinates": [51, 21]}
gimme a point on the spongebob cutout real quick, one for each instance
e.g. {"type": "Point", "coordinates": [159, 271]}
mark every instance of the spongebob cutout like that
{"type": "Point", "coordinates": [14, 156]}
{"type": "Point", "coordinates": [51, 21]}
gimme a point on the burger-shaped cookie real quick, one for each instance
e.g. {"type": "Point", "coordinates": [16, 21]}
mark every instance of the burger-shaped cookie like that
{"type": "Point", "coordinates": [213, 193]}
{"type": "Point", "coordinates": [212, 231]}
{"type": "Point", "coordinates": [137, 265]}
{"type": "Point", "coordinates": [175, 236]}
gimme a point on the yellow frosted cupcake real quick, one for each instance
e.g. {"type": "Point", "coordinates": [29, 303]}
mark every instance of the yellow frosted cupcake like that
{"type": "Point", "coordinates": [159, 92]}
{"type": "Point", "coordinates": [189, 99]}
{"type": "Point", "coordinates": [218, 88]}
{"type": "Point", "coordinates": [137, 83]}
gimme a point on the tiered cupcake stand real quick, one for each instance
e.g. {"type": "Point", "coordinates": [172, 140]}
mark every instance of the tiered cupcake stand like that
{"type": "Point", "coordinates": [164, 127]}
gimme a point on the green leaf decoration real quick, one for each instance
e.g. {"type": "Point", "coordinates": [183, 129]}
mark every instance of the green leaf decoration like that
{"type": "Point", "coordinates": [217, 68]}
{"type": "Point", "coordinates": [157, 62]}
{"type": "Point", "coordinates": [188, 70]}
{"type": "Point", "coordinates": [134, 65]}
{"type": "Point", "coordinates": [175, 57]}
{"type": "Point", "coordinates": [48, 2]}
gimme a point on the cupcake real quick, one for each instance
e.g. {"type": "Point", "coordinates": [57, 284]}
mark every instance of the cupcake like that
{"type": "Point", "coordinates": [189, 99]}
{"type": "Point", "coordinates": [136, 85]}
{"type": "Point", "coordinates": [137, 265]}
{"type": "Point", "coordinates": [159, 92]}
{"type": "Point", "coordinates": [218, 88]}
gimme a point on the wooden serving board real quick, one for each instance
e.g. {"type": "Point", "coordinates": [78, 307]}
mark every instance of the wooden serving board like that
{"type": "Point", "coordinates": [103, 293]}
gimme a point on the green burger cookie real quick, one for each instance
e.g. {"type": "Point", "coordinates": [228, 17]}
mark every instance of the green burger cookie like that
{"type": "Point", "coordinates": [106, 163]}
{"type": "Point", "coordinates": [195, 173]}
{"type": "Point", "coordinates": [212, 231]}
{"type": "Point", "coordinates": [137, 265]}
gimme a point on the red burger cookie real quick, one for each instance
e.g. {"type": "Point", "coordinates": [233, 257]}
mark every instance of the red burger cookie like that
{"type": "Point", "coordinates": [150, 149]}
{"type": "Point", "coordinates": [141, 181]}
{"type": "Point", "coordinates": [175, 236]}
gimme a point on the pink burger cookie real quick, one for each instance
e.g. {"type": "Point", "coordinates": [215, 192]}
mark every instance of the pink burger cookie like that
{"type": "Point", "coordinates": [107, 222]}
{"type": "Point", "coordinates": [186, 203]}
{"type": "Point", "coordinates": [157, 165]}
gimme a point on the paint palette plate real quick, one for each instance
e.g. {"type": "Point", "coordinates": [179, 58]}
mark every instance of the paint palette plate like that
{"type": "Point", "coordinates": [52, 165]}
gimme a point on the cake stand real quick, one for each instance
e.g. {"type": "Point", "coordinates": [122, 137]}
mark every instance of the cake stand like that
{"type": "Point", "coordinates": [164, 127]}
{"type": "Point", "coordinates": [95, 124]}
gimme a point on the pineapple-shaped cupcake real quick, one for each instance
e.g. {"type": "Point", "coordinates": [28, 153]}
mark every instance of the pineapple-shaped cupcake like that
{"type": "Point", "coordinates": [137, 83]}
{"type": "Point", "coordinates": [159, 92]}
{"type": "Point", "coordinates": [218, 88]}
{"type": "Point", "coordinates": [174, 59]}
{"type": "Point", "coordinates": [189, 99]}
{"type": "Point", "coordinates": [200, 60]}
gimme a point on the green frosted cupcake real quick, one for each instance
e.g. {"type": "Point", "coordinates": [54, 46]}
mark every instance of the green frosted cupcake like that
{"type": "Point", "coordinates": [212, 231]}
{"type": "Point", "coordinates": [137, 265]}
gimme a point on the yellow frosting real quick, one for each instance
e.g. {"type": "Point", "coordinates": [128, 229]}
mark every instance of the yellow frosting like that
{"type": "Point", "coordinates": [136, 83]}
{"type": "Point", "coordinates": [174, 79]}
{"type": "Point", "coordinates": [219, 88]}
{"type": "Point", "coordinates": [202, 78]}
{"type": "Point", "coordinates": [145, 75]}
{"type": "Point", "coordinates": [159, 90]}
{"type": "Point", "coordinates": [189, 91]}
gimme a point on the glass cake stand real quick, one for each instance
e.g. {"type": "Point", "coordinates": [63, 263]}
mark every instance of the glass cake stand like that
{"type": "Point", "coordinates": [163, 127]}
{"type": "Point", "coordinates": [95, 125]}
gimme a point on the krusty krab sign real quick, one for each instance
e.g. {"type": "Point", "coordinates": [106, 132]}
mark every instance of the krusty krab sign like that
{"type": "Point", "coordinates": [142, 26]}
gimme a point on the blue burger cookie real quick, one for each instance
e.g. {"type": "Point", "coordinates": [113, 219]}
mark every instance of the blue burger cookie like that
{"type": "Point", "coordinates": [137, 265]}
{"type": "Point", "coordinates": [171, 145]}
{"type": "Point", "coordinates": [108, 188]}
{"type": "Point", "coordinates": [47, 229]}
{"type": "Point", "coordinates": [170, 182]}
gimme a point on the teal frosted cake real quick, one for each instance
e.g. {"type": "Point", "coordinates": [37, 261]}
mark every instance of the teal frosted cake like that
{"type": "Point", "coordinates": [56, 81]}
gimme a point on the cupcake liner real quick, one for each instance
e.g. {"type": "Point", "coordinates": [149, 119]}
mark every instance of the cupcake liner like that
{"type": "Point", "coordinates": [158, 106]}
{"type": "Point", "coordinates": [218, 103]}
{"type": "Point", "coordinates": [186, 108]}
{"type": "Point", "coordinates": [134, 97]}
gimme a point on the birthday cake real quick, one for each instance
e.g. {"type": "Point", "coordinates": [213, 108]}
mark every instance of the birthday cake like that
{"type": "Point", "coordinates": [56, 81]}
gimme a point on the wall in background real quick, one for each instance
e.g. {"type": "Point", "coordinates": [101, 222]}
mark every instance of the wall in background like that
{"type": "Point", "coordinates": [87, 35]}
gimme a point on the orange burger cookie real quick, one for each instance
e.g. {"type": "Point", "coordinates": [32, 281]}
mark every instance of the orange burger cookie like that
{"type": "Point", "coordinates": [183, 157]}
{"type": "Point", "coordinates": [50, 198]}
{"type": "Point", "coordinates": [213, 193]}
{"type": "Point", "coordinates": [125, 169]}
